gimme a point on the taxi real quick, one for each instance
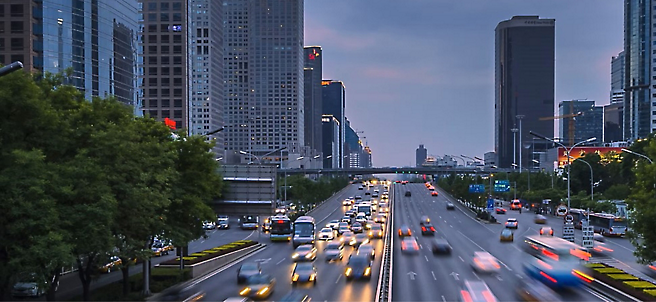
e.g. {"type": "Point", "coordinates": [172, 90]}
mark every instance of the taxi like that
{"type": "Point", "coordinates": [434, 193]}
{"type": "Point", "coordinates": [546, 231]}
{"type": "Point", "coordinates": [506, 235]}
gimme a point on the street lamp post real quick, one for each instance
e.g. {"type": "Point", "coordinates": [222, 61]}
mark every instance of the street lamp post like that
{"type": "Point", "coordinates": [10, 68]}
{"type": "Point", "coordinates": [520, 117]}
{"type": "Point", "coordinates": [638, 154]}
{"type": "Point", "coordinates": [591, 176]}
{"type": "Point", "coordinates": [567, 151]}
{"type": "Point", "coordinates": [514, 131]}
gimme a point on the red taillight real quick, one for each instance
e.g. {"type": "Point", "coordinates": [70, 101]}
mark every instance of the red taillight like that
{"type": "Point", "coordinates": [610, 230]}
{"type": "Point", "coordinates": [548, 277]}
{"type": "Point", "coordinates": [403, 247]}
{"type": "Point", "coordinates": [466, 297]}
{"type": "Point", "coordinates": [550, 254]}
{"type": "Point", "coordinates": [489, 297]}
{"type": "Point", "coordinates": [416, 246]}
{"type": "Point", "coordinates": [409, 232]}
{"type": "Point", "coordinates": [433, 229]}
{"type": "Point", "coordinates": [652, 267]}
{"type": "Point", "coordinates": [423, 229]}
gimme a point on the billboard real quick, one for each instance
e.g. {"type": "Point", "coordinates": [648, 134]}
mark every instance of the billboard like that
{"type": "Point", "coordinates": [582, 151]}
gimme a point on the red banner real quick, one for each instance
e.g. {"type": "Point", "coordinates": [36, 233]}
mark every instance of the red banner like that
{"type": "Point", "coordinates": [169, 122]}
{"type": "Point", "coordinates": [582, 151]}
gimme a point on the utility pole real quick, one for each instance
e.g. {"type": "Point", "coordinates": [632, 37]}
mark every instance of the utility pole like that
{"type": "Point", "coordinates": [520, 117]}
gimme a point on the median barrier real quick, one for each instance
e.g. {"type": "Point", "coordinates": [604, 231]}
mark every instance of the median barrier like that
{"type": "Point", "coordinates": [622, 281]}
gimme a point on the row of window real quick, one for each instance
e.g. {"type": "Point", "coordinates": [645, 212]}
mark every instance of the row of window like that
{"type": "Point", "coordinates": [177, 39]}
{"type": "Point", "coordinates": [153, 103]}
{"type": "Point", "coordinates": [164, 92]}
{"type": "Point", "coordinates": [164, 49]}
{"type": "Point", "coordinates": [15, 10]}
{"type": "Point", "coordinates": [165, 60]}
{"type": "Point", "coordinates": [164, 6]}
{"type": "Point", "coordinates": [15, 27]}
{"type": "Point", "coordinates": [12, 58]}
{"type": "Point", "coordinates": [165, 17]}
{"type": "Point", "coordinates": [165, 113]}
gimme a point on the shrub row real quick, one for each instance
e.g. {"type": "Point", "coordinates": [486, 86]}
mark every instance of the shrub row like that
{"type": "Point", "coordinates": [624, 281]}
{"type": "Point", "coordinates": [211, 253]}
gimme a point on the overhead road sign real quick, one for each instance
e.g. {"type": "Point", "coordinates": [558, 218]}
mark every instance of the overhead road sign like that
{"type": "Point", "coordinates": [501, 186]}
{"type": "Point", "coordinates": [476, 188]}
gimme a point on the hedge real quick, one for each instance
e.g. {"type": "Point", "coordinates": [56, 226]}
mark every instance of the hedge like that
{"type": "Point", "coordinates": [651, 292]}
{"type": "Point", "coordinates": [211, 253]}
{"type": "Point", "coordinates": [623, 277]}
{"type": "Point", "coordinates": [609, 270]}
{"type": "Point", "coordinates": [640, 284]}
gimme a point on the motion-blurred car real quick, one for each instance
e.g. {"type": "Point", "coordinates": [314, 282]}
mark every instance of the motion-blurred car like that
{"type": "Point", "coordinates": [532, 290]}
{"type": "Point", "coordinates": [424, 220]}
{"type": "Point", "coordinates": [408, 193]}
{"type": "Point", "coordinates": [259, 286]}
{"type": "Point", "coordinates": [348, 238]}
{"type": "Point", "coordinates": [333, 224]}
{"type": "Point", "coordinates": [187, 293]}
{"type": "Point", "coordinates": [367, 249]}
{"type": "Point", "coordinates": [484, 262]}
{"type": "Point", "coordinates": [304, 272]}
{"type": "Point", "coordinates": [358, 267]}
{"type": "Point", "coordinates": [512, 223]}
{"type": "Point", "coordinates": [506, 235]}
{"type": "Point", "coordinates": [380, 218]}
{"type": "Point", "coordinates": [29, 285]}
{"type": "Point", "coordinates": [361, 219]}
{"type": "Point", "coordinates": [434, 193]}
{"type": "Point", "coordinates": [334, 251]}
{"type": "Point", "coordinates": [404, 231]}
{"type": "Point", "coordinates": [369, 224]}
{"type": "Point", "coordinates": [342, 230]}
{"type": "Point", "coordinates": [326, 234]}
{"type": "Point", "coordinates": [431, 188]}
{"type": "Point", "coordinates": [114, 261]}
{"type": "Point", "coordinates": [247, 270]}
{"type": "Point", "coordinates": [540, 219]}
{"type": "Point", "coordinates": [223, 225]}
{"type": "Point", "coordinates": [500, 211]}
{"type": "Point", "coordinates": [440, 246]}
{"type": "Point", "coordinates": [376, 231]}
{"type": "Point", "coordinates": [450, 206]}
{"type": "Point", "coordinates": [305, 252]}
{"type": "Point", "coordinates": [427, 229]}
{"type": "Point", "coordinates": [357, 228]}
{"type": "Point", "coordinates": [360, 239]}
{"type": "Point", "coordinates": [409, 245]}
{"type": "Point", "coordinates": [546, 231]}
{"type": "Point", "coordinates": [476, 291]}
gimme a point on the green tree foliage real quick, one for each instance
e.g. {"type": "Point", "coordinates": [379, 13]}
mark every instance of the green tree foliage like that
{"type": "Point", "coordinates": [307, 191]}
{"type": "Point", "coordinates": [617, 191]}
{"type": "Point", "coordinates": [642, 202]}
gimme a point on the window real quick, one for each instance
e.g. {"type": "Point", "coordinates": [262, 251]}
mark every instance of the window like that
{"type": "Point", "coordinates": [177, 113]}
{"type": "Point", "coordinates": [177, 17]}
{"type": "Point", "coordinates": [177, 6]}
{"type": "Point", "coordinates": [152, 39]}
{"type": "Point", "coordinates": [16, 27]}
{"type": "Point", "coordinates": [166, 82]}
{"type": "Point", "coordinates": [177, 39]}
{"type": "Point", "coordinates": [177, 60]}
{"type": "Point", "coordinates": [153, 113]}
{"type": "Point", "coordinates": [152, 92]}
{"type": "Point", "coordinates": [164, 17]}
{"type": "Point", "coordinates": [152, 81]}
{"type": "Point", "coordinates": [177, 92]}
{"type": "Point", "coordinates": [152, 6]}
{"type": "Point", "coordinates": [16, 43]}
{"type": "Point", "coordinates": [152, 28]}
{"type": "Point", "coordinates": [152, 70]}
{"type": "Point", "coordinates": [165, 39]}
{"type": "Point", "coordinates": [152, 60]}
{"type": "Point", "coordinates": [2, 44]}
{"type": "Point", "coordinates": [2, 26]}
{"type": "Point", "coordinates": [2, 10]}
{"type": "Point", "coordinates": [16, 10]}
{"type": "Point", "coordinates": [166, 60]}
{"type": "Point", "coordinates": [2, 57]}
{"type": "Point", "coordinates": [152, 49]}
{"type": "Point", "coordinates": [166, 92]}
{"type": "Point", "coordinates": [164, 49]}
{"type": "Point", "coordinates": [164, 6]}
{"type": "Point", "coordinates": [166, 103]}
{"type": "Point", "coordinates": [177, 81]}
{"type": "Point", "coordinates": [177, 49]}
{"type": "Point", "coordinates": [152, 17]}
{"type": "Point", "coordinates": [166, 71]}
{"type": "Point", "coordinates": [164, 28]}
{"type": "Point", "coordinates": [177, 103]}
{"type": "Point", "coordinates": [15, 58]}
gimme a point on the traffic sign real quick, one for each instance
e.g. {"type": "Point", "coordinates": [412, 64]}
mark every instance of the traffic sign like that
{"type": "Point", "coordinates": [501, 186]}
{"type": "Point", "coordinates": [568, 231]}
{"type": "Point", "coordinates": [476, 188]}
{"type": "Point", "coordinates": [490, 204]}
{"type": "Point", "coordinates": [588, 237]}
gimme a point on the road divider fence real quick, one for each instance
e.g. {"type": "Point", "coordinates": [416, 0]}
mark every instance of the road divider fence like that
{"type": "Point", "coordinates": [384, 289]}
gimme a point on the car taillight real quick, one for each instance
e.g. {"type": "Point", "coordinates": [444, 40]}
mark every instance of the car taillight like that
{"type": "Point", "coordinates": [433, 229]}
{"type": "Point", "coordinates": [548, 277]}
{"type": "Point", "coordinates": [423, 229]}
{"type": "Point", "coordinates": [466, 297]}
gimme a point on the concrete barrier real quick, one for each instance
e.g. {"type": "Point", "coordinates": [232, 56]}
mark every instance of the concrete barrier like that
{"type": "Point", "coordinates": [202, 268]}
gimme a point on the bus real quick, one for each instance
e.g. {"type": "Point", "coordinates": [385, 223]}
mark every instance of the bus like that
{"type": "Point", "coordinates": [556, 262]}
{"type": "Point", "coordinates": [365, 208]}
{"type": "Point", "coordinates": [304, 229]}
{"type": "Point", "coordinates": [249, 222]}
{"type": "Point", "coordinates": [281, 228]}
{"type": "Point", "coordinates": [608, 224]}
{"type": "Point", "coordinates": [578, 216]}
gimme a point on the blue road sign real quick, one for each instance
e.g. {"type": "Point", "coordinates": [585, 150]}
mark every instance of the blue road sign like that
{"type": "Point", "coordinates": [476, 188]}
{"type": "Point", "coordinates": [501, 186]}
{"type": "Point", "coordinates": [490, 204]}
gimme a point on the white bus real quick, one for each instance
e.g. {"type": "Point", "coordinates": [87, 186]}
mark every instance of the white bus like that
{"type": "Point", "coordinates": [304, 229]}
{"type": "Point", "coordinates": [608, 224]}
{"type": "Point", "coordinates": [281, 228]}
{"type": "Point", "coordinates": [557, 262]}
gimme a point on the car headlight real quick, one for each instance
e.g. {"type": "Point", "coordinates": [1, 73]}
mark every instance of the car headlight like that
{"type": "Point", "coordinates": [312, 277]}
{"type": "Point", "coordinates": [367, 271]}
{"type": "Point", "coordinates": [263, 291]}
{"type": "Point", "coordinates": [245, 291]}
{"type": "Point", "coordinates": [308, 256]}
{"type": "Point", "coordinates": [348, 271]}
{"type": "Point", "coordinates": [295, 277]}
{"type": "Point", "coordinates": [295, 255]}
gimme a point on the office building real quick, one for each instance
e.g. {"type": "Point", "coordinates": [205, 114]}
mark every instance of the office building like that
{"type": "Point", "coordinates": [366, 158]}
{"type": "Point", "coordinates": [420, 155]}
{"type": "Point", "coordinates": [588, 124]}
{"type": "Point", "coordinates": [313, 95]}
{"type": "Point", "coordinates": [264, 77]}
{"type": "Point", "coordinates": [613, 121]}
{"type": "Point", "coordinates": [639, 99]}
{"type": "Point", "coordinates": [96, 39]}
{"type": "Point", "coordinates": [524, 84]}
{"type": "Point", "coordinates": [490, 159]}
{"type": "Point", "coordinates": [617, 78]}
{"type": "Point", "coordinates": [165, 61]}
{"type": "Point", "coordinates": [330, 147]}
{"type": "Point", "coordinates": [334, 103]}
{"type": "Point", "coordinates": [352, 146]}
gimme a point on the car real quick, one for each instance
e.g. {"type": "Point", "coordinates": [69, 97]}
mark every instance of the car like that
{"type": "Point", "coordinates": [333, 224]}
{"type": "Point", "coordinates": [346, 202]}
{"type": "Point", "coordinates": [408, 193]}
{"type": "Point", "coordinates": [546, 231]}
{"type": "Point", "coordinates": [380, 218]}
{"type": "Point", "coordinates": [222, 218]}
{"type": "Point", "coordinates": [334, 250]}
{"type": "Point", "coordinates": [434, 193]}
{"type": "Point", "coordinates": [111, 263]}
{"type": "Point", "coordinates": [533, 290]}
{"type": "Point", "coordinates": [223, 225]}
{"type": "Point", "coordinates": [182, 292]}
{"type": "Point", "coordinates": [342, 230]}
{"type": "Point", "coordinates": [348, 238]}
{"type": "Point", "coordinates": [431, 188]}
{"type": "Point", "coordinates": [367, 193]}
{"type": "Point", "coordinates": [259, 286]}
{"type": "Point", "coordinates": [440, 246]}
{"type": "Point", "coordinates": [358, 197]}
{"type": "Point", "coordinates": [161, 248]}
{"type": "Point", "coordinates": [369, 224]}
{"type": "Point", "coordinates": [305, 252]}
{"type": "Point", "coordinates": [361, 219]}
{"type": "Point", "coordinates": [326, 234]}
{"type": "Point", "coordinates": [484, 262]}
{"type": "Point", "coordinates": [376, 231]}
{"type": "Point", "coordinates": [209, 225]}
{"type": "Point", "coordinates": [375, 195]}
{"type": "Point", "coordinates": [512, 223]}
{"type": "Point", "coordinates": [427, 229]}
{"type": "Point", "coordinates": [360, 239]}
{"type": "Point", "coordinates": [540, 219]}
{"type": "Point", "coordinates": [29, 285]}
{"type": "Point", "coordinates": [358, 267]}
{"type": "Point", "coordinates": [450, 206]}
{"type": "Point", "coordinates": [404, 230]}
{"type": "Point", "coordinates": [304, 272]}
{"type": "Point", "coordinates": [246, 270]}
{"type": "Point", "coordinates": [357, 228]}
{"type": "Point", "coordinates": [409, 245]}
{"type": "Point", "coordinates": [350, 213]}
{"type": "Point", "coordinates": [506, 235]}
{"type": "Point", "coordinates": [346, 220]}
{"type": "Point", "coordinates": [367, 249]}
{"type": "Point", "coordinates": [424, 220]}
{"type": "Point", "coordinates": [477, 291]}
{"type": "Point", "coordinates": [500, 210]}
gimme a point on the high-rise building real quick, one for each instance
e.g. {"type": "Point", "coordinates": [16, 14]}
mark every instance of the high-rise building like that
{"type": "Point", "coordinates": [588, 124]}
{"type": "Point", "coordinates": [366, 158]}
{"type": "Point", "coordinates": [264, 77]}
{"type": "Point", "coordinates": [313, 95]}
{"type": "Point", "coordinates": [334, 103]}
{"type": "Point", "coordinates": [96, 39]}
{"type": "Point", "coordinates": [617, 78]}
{"type": "Point", "coordinates": [166, 66]}
{"type": "Point", "coordinates": [524, 84]}
{"type": "Point", "coordinates": [420, 155]}
{"type": "Point", "coordinates": [206, 65]}
{"type": "Point", "coordinates": [330, 127]}
{"type": "Point", "coordinates": [613, 121]}
{"type": "Point", "coordinates": [352, 146]}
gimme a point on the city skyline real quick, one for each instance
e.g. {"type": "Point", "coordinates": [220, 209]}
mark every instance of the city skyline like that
{"type": "Point", "coordinates": [391, 89]}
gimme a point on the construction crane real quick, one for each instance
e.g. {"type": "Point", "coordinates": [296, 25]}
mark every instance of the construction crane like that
{"type": "Point", "coordinates": [571, 117]}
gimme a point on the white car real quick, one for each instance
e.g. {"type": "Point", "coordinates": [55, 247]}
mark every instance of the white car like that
{"type": "Point", "coordinates": [333, 224]}
{"type": "Point", "coordinates": [326, 234]}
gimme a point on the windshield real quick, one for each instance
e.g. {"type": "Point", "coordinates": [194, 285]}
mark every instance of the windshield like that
{"type": "Point", "coordinates": [304, 248]}
{"type": "Point", "coordinates": [281, 228]}
{"type": "Point", "coordinates": [358, 261]}
{"type": "Point", "coordinates": [334, 246]}
{"type": "Point", "coordinates": [258, 279]}
{"type": "Point", "coordinates": [619, 223]}
{"type": "Point", "coordinates": [304, 267]}
{"type": "Point", "coordinates": [303, 229]}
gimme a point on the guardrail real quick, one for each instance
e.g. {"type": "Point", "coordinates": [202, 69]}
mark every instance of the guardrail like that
{"type": "Point", "coordinates": [384, 289]}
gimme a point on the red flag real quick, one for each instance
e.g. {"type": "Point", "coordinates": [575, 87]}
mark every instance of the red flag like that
{"type": "Point", "coordinates": [169, 122]}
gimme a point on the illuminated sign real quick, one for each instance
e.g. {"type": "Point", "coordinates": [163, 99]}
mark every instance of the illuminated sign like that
{"type": "Point", "coordinates": [324, 83]}
{"type": "Point", "coordinates": [169, 122]}
{"type": "Point", "coordinates": [582, 151]}
{"type": "Point", "coordinates": [313, 55]}
{"type": "Point", "coordinates": [280, 221]}
{"type": "Point", "coordinates": [176, 28]}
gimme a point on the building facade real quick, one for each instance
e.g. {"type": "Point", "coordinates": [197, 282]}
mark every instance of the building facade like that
{"type": "Point", "coordinates": [613, 122]}
{"type": "Point", "coordinates": [334, 103]}
{"type": "Point", "coordinates": [96, 39]}
{"type": "Point", "coordinates": [420, 155]}
{"type": "Point", "coordinates": [352, 147]}
{"type": "Point", "coordinates": [617, 69]}
{"type": "Point", "coordinates": [313, 97]}
{"type": "Point", "coordinates": [524, 83]}
{"type": "Point", "coordinates": [330, 126]}
{"type": "Point", "coordinates": [264, 76]}
{"type": "Point", "coordinates": [589, 124]}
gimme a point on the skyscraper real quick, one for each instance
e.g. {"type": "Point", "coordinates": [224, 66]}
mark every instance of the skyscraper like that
{"type": "Point", "coordinates": [588, 124]}
{"type": "Point", "coordinates": [524, 84]}
{"type": "Point", "coordinates": [313, 95]}
{"type": "Point", "coordinates": [420, 155]}
{"type": "Point", "coordinates": [330, 127]}
{"type": "Point", "coordinates": [613, 121]}
{"type": "Point", "coordinates": [263, 73]}
{"type": "Point", "coordinates": [638, 57]}
{"type": "Point", "coordinates": [96, 39]}
{"type": "Point", "coordinates": [334, 103]}
{"type": "Point", "coordinates": [617, 78]}
{"type": "Point", "coordinates": [165, 60]}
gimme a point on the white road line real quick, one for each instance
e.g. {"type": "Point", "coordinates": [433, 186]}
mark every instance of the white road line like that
{"type": "Point", "coordinates": [525, 232]}
{"type": "Point", "coordinates": [443, 299]}
{"type": "Point", "coordinates": [519, 276]}
{"type": "Point", "coordinates": [340, 276]}
{"type": "Point", "coordinates": [426, 258]}
{"type": "Point", "coordinates": [602, 298]}
{"type": "Point", "coordinates": [517, 248]}
{"type": "Point", "coordinates": [251, 234]}
{"type": "Point", "coordinates": [499, 278]}
{"type": "Point", "coordinates": [463, 260]}
{"type": "Point", "coordinates": [283, 259]}
{"type": "Point", "coordinates": [626, 248]}
{"type": "Point", "coordinates": [435, 278]}
{"type": "Point", "coordinates": [475, 275]}
{"type": "Point", "coordinates": [450, 225]}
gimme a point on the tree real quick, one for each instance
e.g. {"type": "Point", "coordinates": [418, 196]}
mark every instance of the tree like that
{"type": "Point", "coordinates": [643, 204]}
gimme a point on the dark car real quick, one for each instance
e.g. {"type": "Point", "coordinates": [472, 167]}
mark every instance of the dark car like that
{"type": "Point", "coordinates": [182, 293]}
{"type": "Point", "coordinates": [427, 229]}
{"type": "Point", "coordinates": [404, 230]}
{"type": "Point", "coordinates": [360, 239]}
{"type": "Point", "coordinates": [334, 251]}
{"type": "Point", "coordinates": [440, 246]}
{"type": "Point", "coordinates": [367, 249]}
{"type": "Point", "coordinates": [408, 193]}
{"type": "Point", "coordinates": [304, 272]}
{"type": "Point", "coordinates": [450, 206]}
{"type": "Point", "coordinates": [223, 225]}
{"type": "Point", "coordinates": [500, 211]}
{"type": "Point", "coordinates": [248, 269]}
{"type": "Point", "coordinates": [259, 286]}
{"type": "Point", "coordinates": [357, 228]}
{"type": "Point", "coordinates": [358, 267]}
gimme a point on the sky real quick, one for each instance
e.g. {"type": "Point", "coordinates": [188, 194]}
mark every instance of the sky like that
{"type": "Point", "coordinates": [422, 71]}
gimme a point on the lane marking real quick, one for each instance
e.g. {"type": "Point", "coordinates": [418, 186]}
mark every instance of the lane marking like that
{"type": "Point", "coordinates": [283, 259]}
{"type": "Point", "coordinates": [426, 258]}
{"type": "Point", "coordinates": [626, 248]}
{"type": "Point", "coordinates": [529, 228]}
{"type": "Point", "coordinates": [499, 278]}
{"type": "Point", "coordinates": [443, 299]}
{"type": "Point", "coordinates": [463, 260]}
{"type": "Point", "coordinates": [340, 276]}
{"type": "Point", "coordinates": [519, 276]}
{"type": "Point", "coordinates": [600, 297]}
{"type": "Point", "coordinates": [435, 278]}
{"type": "Point", "coordinates": [475, 275]}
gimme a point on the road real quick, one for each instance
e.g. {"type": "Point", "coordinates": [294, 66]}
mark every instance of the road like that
{"type": "Point", "coordinates": [427, 277]}
{"type": "Point", "coordinates": [276, 260]}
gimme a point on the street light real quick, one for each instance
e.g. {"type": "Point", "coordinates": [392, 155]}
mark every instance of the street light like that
{"type": "Point", "coordinates": [10, 68]}
{"type": "Point", "coordinates": [258, 157]}
{"type": "Point", "coordinates": [638, 154]}
{"type": "Point", "coordinates": [591, 179]}
{"type": "Point", "coordinates": [215, 131]}
{"type": "Point", "coordinates": [567, 151]}
{"type": "Point", "coordinates": [514, 131]}
{"type": "Point", "coordinates": [520, 117]}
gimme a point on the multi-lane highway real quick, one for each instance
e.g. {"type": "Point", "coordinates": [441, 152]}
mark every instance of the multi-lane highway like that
{"type": "Point", "coordinates": [428, 277]}
{"type": "Point", "coordinates": [276, 260]}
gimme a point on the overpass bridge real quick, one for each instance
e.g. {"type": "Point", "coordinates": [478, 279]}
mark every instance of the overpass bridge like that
{"type": "Point", "coordinates": [396, 170]}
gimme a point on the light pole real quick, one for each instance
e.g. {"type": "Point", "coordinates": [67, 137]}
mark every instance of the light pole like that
{"type": "Point", "coordinates": [10, 68]}
{"type": "Point", "coordinates": [514, 131]}
{"type": "Point", "coordinates": [456, 156]}
{"type": "Point", "coordinates": [591, 179]}
{"type": "Point", "coordinates": [638, 154]}
{"type": "Point", "coordinates": [258, 157]}
{"type": "Point", "coordinates": [567, 151]}
{"type": "Point", "coordinates": [520, 117]}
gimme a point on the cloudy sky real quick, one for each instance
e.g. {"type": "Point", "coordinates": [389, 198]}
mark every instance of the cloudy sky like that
{"type": "Point", "coordinates": [422, 71]}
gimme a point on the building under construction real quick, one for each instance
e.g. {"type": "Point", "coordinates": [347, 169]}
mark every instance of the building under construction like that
{"type": "Point", "coordinates": [580, 120]}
